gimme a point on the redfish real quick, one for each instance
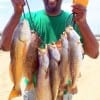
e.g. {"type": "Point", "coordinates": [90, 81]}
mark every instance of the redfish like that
{"type": "Point", "coordinates": [31, 63]}
{"type": "Point", "coordinates": [20, 40]}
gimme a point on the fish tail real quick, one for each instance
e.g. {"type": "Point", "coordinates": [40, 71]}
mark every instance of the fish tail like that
{"type": "Point", "coordinates": [14, 93]}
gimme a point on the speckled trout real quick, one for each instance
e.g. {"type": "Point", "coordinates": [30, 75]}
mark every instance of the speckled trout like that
{"type": "Point", "coordinates": [64, 65]}
{"type": "Point", "coordinates": [54, 70]}
{"type": "Point", "coordinates": [76, 53]}
{"type": "Point", "coordinates": [43, 89]}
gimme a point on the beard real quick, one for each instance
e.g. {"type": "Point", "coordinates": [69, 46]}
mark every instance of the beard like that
{"type": "Point", "coordinates": [52, 9]}
{"type": "Point", "coordinates": [52, 6]}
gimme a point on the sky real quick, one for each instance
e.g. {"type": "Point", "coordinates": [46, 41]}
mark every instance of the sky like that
{"type": "Point", "coordinates": [93, 15]}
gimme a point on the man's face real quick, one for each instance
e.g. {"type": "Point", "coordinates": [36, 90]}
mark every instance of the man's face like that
{"type": "Point", "coordinates": [52, 4]}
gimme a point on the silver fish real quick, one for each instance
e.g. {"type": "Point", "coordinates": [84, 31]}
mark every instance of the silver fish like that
{"type": "Point", "coordinates": [43, 89]}
{"type": "Point", "coordinates": [54, 70]}
{"type": "Point", "coordinates": [64, 64]}
{"type": "Point", "coordinates": [76, 53]}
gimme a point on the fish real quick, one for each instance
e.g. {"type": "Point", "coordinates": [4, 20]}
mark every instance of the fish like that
{"type": "Point", "coordinates": [43, 89]}
{"type": "Point", "coordinates": [31, 63]}
{"type": "Point", "coordinates": [20, 40]}
{"type": "Point", "coordinates": [21, 48]}
{"type": "Point", "coordinates": [54, 69]}
{"type": "Point", "coordinates": [76, 55]}
{"type": "Point", "coordinates": [64, 65]}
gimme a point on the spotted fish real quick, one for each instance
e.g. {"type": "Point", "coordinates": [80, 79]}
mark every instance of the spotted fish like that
{"type": "Point", "coordinates": [76, 53]}
{"type": "Point", "coordinates": [64, 65]}
{"type": "Point", "coordinates": [54, 70]}
{"type": "Point", "coordinates": [43, 90]}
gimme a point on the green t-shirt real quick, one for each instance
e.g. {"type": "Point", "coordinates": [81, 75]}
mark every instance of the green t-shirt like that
{"type": "Point", "coordinates": [49, 28]}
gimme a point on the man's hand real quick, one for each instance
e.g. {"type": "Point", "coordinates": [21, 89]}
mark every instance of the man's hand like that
{"type": "Point", "coordinates": [80, 13]}
{"type": "Point", "coordinates": [18, 6]}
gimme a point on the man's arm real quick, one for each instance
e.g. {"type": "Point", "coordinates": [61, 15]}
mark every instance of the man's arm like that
{"type": "Point", "coordinates": [91, 46]}
{"type": "Point", "coordinates": [8, 31]}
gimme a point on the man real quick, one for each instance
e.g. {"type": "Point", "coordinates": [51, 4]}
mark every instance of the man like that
{"type": "Point", "coordinates": [53, 8]}
{"type": "Point", "coordinates": [50, 23]}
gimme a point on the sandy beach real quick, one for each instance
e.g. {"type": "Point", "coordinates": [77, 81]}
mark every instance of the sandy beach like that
{"type": "Point", "coordinates": [88, 84]}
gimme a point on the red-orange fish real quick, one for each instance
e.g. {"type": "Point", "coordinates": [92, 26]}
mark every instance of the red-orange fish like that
{"type": "Point", "coordinates": [20, 40]}
{"type": "Point", "coordinates": [24, 57]}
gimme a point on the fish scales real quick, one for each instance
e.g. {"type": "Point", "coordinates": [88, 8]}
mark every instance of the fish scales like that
{"type": "Point", "coordinates": [19, 47]}
{"type": "Point", "coordinates": [31, 60]}
{"type": "Point", "coordinates": [76, 52]}
{"type": "Point", "coordinates": [64, 64]}
{"type": "Point", "coordinates": [43, 89]}
{"type": "Point", "coordinates": [54, 70]}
